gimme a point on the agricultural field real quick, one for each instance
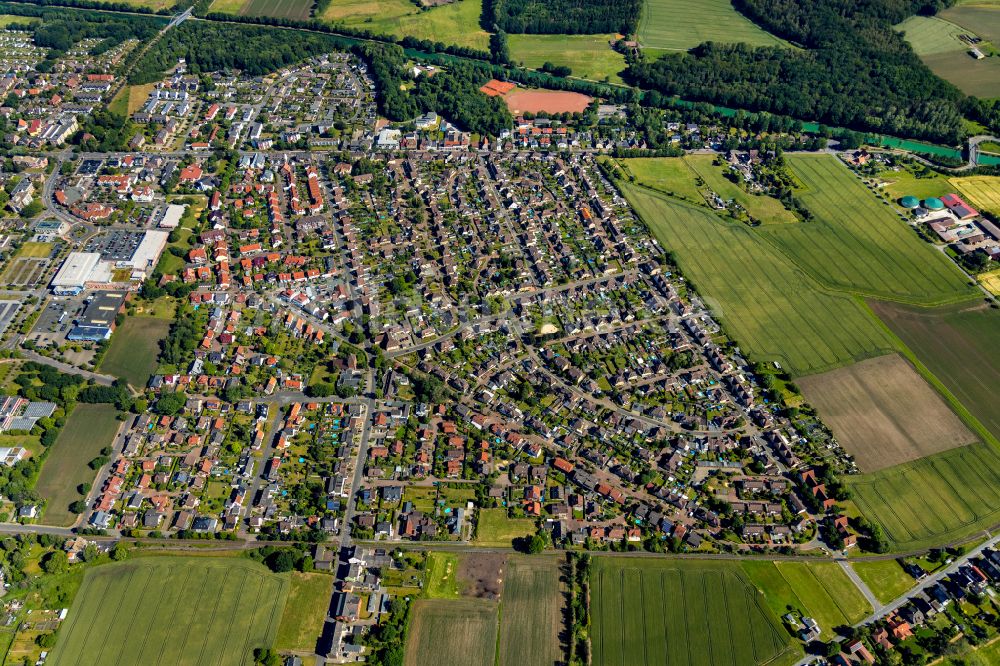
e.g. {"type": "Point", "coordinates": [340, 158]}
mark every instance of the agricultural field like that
{"type": "Point", "coordinates": [531, 617]}
{"type": "Point", "coordinates": [767, 303]}
{"type": "Point", "coordinates": [670, 175]}
{"type": "Point", "coordinates": [589, 56]}
{"type": "Point", "coordinates": [305, 609]}
{"type": "Point", "coordinates": [957, 344]}
{"type": "Point", "coordinates": [290, 9]}
{"type": "Point", "coordinates": [681, 612]}
{"type": "Point", "coordinates": [945, 496]}
{"type": "Point", "coordinates": [454, 23]}
{"type": "Point", "coordinates": [857, 244]}
{"type": "Point", "coordinates": [981, 17]}
{"type": "Point", "coordinates": [131, 98]}
{"type": "Point", "coordinates": [936, 41]}
{"type": "Point", "coordinates": [452, 631]}
{"type": "Point", "coordinates": [818, 590]}
{"type": "Point", "coordinates": [929, 35]}
{"type": "Point", "coordinates": [496, 529]}
{"type": "Point", "coordinates": [885, 578]}
{"type": "Point", "coordinates": [134, 349]}
{"type": "Point", "coordinates": [88, 429]}
{"type": "Point", "coordinates": [973, 77]}
{"type": "Point", "coordinates": [990, 281]}
{"type": "Point", "coordinates": [678, 25]}
{"type": "Point", "coordinates": [140, 612]}
{"type": "Point", "coordinates": [884, 413]}
{"type": "Point", "coordinates": [983, 192]}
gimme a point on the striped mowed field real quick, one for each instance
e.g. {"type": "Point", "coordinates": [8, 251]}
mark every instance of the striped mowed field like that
{"type": "Point", "coordinates": [167, 611]}
{"type": "Point", "coordinates": [678, 25]}
{"type": "Point", "coordinates": [647, 612]}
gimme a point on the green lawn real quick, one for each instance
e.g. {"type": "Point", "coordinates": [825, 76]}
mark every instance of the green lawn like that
{"type": "Point", "coordinates": [454, 23]}
{"type": "Point", "coordinates": [177, 610]}
{"type": "Point", "coordinates": [821, 591]}
{"type": "Point", "coordinates": [496, 529]}
{"type": "Point", "coordinates": [530, 618]}
{"type": "Point", "coordinates": [452, 631]}
{"type": "Point", "coordinates": [885, 578]}
{"type": "Point", "coordinates": [34, 249]}
{"type": "Point", "coordinates": [941, 497]}
{"type": "Point", "coordinates": [768, 304]}
{"type": "Point", "coordinates": [304, 613]}
{"type": "Point", "coordinates": [647, 611]}
{"type": "Point", "coordinates": [442, 575]}
{"type": "Point", "coordinates": [134, 349]}
{"type": "Point", "coordinates": [679, 25]}
{"type": "Point", "coordinates": [88, 429]}
{"type": "Point", "coordinates": [902, 183]}
{"type": "Point", "coordinates": [589, 56]}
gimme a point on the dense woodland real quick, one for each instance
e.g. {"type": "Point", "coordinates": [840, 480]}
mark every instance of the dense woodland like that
{"type": "Point", "coordinates": [562, 17]}
{"type": "Point", "coordinates": [855, 70]}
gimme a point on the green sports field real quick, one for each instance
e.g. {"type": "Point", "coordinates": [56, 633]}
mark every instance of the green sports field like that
{"type": "Point", "coordinates": [945, 496]}
{"type": "Point", "coordinates": [589, 56]}
{"type": "Point", "coordinates": [679, 25]}
{"type": "Point", "coordinates": [857, 244]}
{"type": "Point", "coordinates": [88, 429]}
{"type": "Point", "coordinates": [172, 610]}
{"type": "Point", "coordinates": [769, 305]}
{"type": "Point", "coordinates": [531, 617]}
{"type": "Point", "coordinates": [681, 612]}
{"type": "Point", "coordinates": [452, 631]}
{"type": "Point", "coordinates": [134, 349]}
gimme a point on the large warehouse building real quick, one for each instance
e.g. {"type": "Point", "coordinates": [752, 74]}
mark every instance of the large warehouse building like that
{"type": "Point", "coordinates": [79, 269]}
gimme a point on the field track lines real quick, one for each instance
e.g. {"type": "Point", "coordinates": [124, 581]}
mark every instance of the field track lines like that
{"type": "Point", "coordinates": [214, 615]}
{"type": "Point", "coordinates": [134, 618]}
{"type": "Point", "coordinates": [232, 617]}
{"type": "Point", "coordinates": [276, 612]}
{"type": "Point", "coordinates": [725, 604]}
{"type": "Point", "coordinates": [663, 620]}
{"type": "Point", "coordinates": [183, 635]}
{"type": "Point", "coordinates": [621, 613]}
{"type": "Point", "coordinates": [176, 593]}
{"type": "Point", "coordinates": [687, 633]}
{"type": "Point", "coordinates": [91, 617]}
{"type": "Point", "coordinates": [642, 597]}
{"type": "Point", "coordinates": [118, 609]}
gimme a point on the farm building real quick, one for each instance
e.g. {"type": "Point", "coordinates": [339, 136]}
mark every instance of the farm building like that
{"type": "Point", "coordinates": [958, 207]}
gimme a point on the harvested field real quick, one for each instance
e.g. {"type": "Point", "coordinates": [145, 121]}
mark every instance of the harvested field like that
{"type": "Point", "coordinates": [884, 413]}
{"type": "Point", "coordinates": [172, 610]}
{"type": "Point", "coordinates": [928, 501]}
{"type": "Point", "coordinates": [481, 575]}
{"type": "Point", "coordinates": [452, 631]}
{"type": "Point", "coordinates": [531, 616]}
{"type": "Point", "coordinates": [521, 100]}
{"type": "Point", "coordinates": [990, 281]}
{"type": "Point", "coordinates": [981, 18]}
{"type": "Point", "coordinates": [973, 77]}
{"type": "Point", "coordinates": [681, 612]}
{"type": "Point", "coordinates": [957, 343]}
{"type": "Point", "coordinates": [983, 192]}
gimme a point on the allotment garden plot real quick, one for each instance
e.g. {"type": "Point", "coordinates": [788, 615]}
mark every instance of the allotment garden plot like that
{"type": "Point", "coordinates": [172, 610]}
{"type": "Point", "coordinates": [672, 612]}
{"type": "Point", "coordinates": [884, 413]}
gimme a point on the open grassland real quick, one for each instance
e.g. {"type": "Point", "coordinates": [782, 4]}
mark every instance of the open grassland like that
{"type": "Point", "coordinates": [454, 23]}
{"type": "Point", "coordinates": [899, 184]}
{"type": "Point", "coordinates": [857, 244]}
{"type": "Point", "coordinates": [929, 35]}
{"type": "Point", "coordinates": [172, 610]}
{"type": "Point", "coordinates": [227, 6]}
{"type": "Point", "coordinates": [304, 613]}
{"type": "Point", "coordinates": [155, 5]}
{"type": "Point", "coordinates": [885, 578]}
{"type": "Point", "coordinates": [821, 591]}
{"type": "Point", "coordinates": [678, 613]}
{"type": "Point", "coordinates": [981, 18]}
{"type": "Point", "coordinates": [34, 250]}
{"type": "Point", "coordinates": [983, 192]}
{"type": "Point", "coordinates": [670, 175]}
{"type": "Point", "coordinates": [11, 19]}
{"type": "Point", "coordinates": [131, 98]}
{"type": "Point", "coordinates": [134, 349]}
{"type": "Point", "coordinates": [531, 616]}
{"type": "Point", "coordinates": [496, 529]}
{"type": "Point", "coordinates": [884, 413]}
{"type": "Point", "coordinates": [452, 631]}
{"type": "Point", "coordinates": [589, 56]}
{"type": "Point", "coordinates": [771, 307]}
{"type": "Point", "coordinates": [958, 344]}
{"type": "Point", "coordinates": [765, 209]}
{"type": "Point", "coordinates": [88, 429]}
{"type": "Point", "coordinates": [920, 503]}
{"type": "Point", "coordinates": [679, 25]}
{"type": "Point", "coordinates": [442, 575]}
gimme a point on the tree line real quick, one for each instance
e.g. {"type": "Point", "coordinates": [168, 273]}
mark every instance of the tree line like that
{"type": "Point", "coordinates": [562, 17]}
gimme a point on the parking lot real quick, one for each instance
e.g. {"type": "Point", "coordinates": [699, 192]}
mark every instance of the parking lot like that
{"type": "Point", "coordinates": [115, 245]}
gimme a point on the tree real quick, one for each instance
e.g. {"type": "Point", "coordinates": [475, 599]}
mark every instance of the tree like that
{"type": "Point", "coordinates": [56, 562]}
{"type": "Point", "coordinates": [280, 561]}
{"type": "Point", "coordinates": [170, 403]}
{"type": "Point", "coordinates": [119, 552]}
{"type": "Point", "coordinates": [78, 507]}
